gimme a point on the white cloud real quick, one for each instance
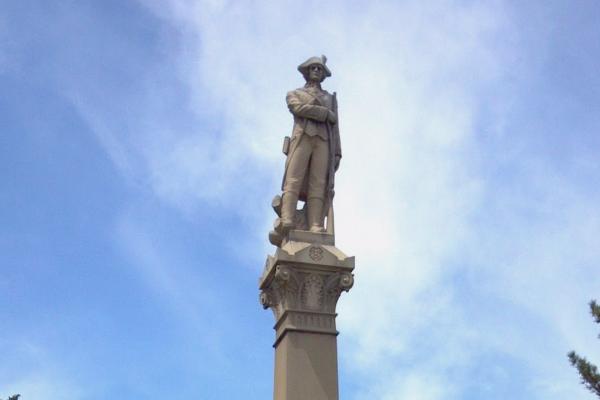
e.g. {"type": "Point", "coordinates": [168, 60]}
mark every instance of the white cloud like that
{"type": "Point", "coordinates": [43, 384]}
{"type": "Point", "coordinates": [407, 76]}
{"type": "Point", "coordinates": [421, 386]}
{"type": "Point", "coordinates": [173, 283]}
{"type": "Point", "coordinates": [412, 78]}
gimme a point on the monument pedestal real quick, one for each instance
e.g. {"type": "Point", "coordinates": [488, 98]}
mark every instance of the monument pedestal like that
{"type": "Point", "coordinates": [302, 283]}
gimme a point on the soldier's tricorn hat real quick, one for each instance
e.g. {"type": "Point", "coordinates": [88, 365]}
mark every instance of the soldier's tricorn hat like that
{"type": "Point", "coordinates": [303, 68]}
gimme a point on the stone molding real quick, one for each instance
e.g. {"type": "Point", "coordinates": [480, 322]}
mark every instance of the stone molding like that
{"type": "Point", "coordinates": [302, 283]}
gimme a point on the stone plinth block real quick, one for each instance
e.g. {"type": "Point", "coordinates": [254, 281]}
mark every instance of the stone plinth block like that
{"type": "Point", "coordinates": [301, 284]}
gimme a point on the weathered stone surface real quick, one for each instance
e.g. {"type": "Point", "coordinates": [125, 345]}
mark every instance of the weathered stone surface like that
{"type": "Point", "coordinates": [301, 284]}
{"type": "Point", "coordinates": [313, 156]}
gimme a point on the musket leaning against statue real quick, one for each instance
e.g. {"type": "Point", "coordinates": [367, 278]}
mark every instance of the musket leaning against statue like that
{"type": "Point", "coordinates": [313, 156]}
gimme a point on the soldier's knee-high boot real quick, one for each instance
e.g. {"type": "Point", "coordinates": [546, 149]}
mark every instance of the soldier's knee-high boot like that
{"type": "Point", "coordinates": [315, 214]}
{"type": "Point", "coordinates": [288, 210]}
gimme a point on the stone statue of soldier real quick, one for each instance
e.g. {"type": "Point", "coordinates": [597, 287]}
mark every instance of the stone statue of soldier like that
{"type": "Point", "coordinates": [313, 151]}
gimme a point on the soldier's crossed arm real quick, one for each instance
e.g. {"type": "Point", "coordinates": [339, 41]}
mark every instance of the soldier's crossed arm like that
{"type": "Point", "coordinates": [304, 108]}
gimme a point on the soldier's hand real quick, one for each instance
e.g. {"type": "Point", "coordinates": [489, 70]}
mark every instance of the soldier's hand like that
{"type": "Point", "coordinates": [331, 117]}
{"type": "Point", "coordinates": [336, 165]}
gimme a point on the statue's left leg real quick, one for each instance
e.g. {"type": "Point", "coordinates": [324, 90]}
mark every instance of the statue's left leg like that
{"type": "Point", "coordinates": [315, 214]}
{"type": "Point", "coordinates": [317, 183]}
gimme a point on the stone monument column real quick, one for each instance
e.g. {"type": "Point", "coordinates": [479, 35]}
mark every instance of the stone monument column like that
{"type": "Point", "coordinates": [301, 284]}
{"type": "Point", "coordinates": [303, 280]}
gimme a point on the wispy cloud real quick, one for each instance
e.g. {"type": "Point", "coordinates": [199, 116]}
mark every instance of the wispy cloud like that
{"type": "Point", "coordinates": [439, 240]}
{"type": "Point", "coordinates": [183, 290]}
{"type": "Point", "coordinates": [30, 369]}
{"type": "Point", "coordinates": [408, 76]}
{"type": "Point", "coordinates": [43, 386]}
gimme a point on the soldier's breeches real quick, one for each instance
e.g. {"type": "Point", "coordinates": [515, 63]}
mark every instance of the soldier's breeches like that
{"type": "Point", "coordinates": [313, 150]}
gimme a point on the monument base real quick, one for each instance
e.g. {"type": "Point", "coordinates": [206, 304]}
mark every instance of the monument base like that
{"type": "Point", "coordinates": [306, 367]}
{"type": "Point", "coordinates": [302, 283]}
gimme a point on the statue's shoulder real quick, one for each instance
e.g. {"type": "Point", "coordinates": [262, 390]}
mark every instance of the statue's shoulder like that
{"type": "Point", "coordinates": [300, 91]}
{"type": "Point", "coordinates": [307, 91]}
{"type": "Point", "coordinates": [299, 94]}
{"type": "Point", "coordinates": [328, 95]}
{"type": "Point", "coordinates": [305, 95]}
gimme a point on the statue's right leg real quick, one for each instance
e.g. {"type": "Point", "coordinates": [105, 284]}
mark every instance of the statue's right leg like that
{"type": "Point", "coordinates": [288, 210]}
{"type": "Point", "coordinates": [294, 177]}
{"type": "Point", "coordinates": [319, 167]}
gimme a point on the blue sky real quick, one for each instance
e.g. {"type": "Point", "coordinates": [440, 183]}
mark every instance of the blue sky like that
{"type": "Point", "coordinates": [140, 149]}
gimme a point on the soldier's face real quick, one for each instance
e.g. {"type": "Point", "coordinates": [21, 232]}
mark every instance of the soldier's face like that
{"type": "Point", "coordinates": [316, 73]}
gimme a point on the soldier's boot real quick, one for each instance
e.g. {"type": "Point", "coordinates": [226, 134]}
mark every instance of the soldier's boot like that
{"type": "Point", "coordinates": [315, 214]}
{"type": "Point", "coordinates": [289, 202]}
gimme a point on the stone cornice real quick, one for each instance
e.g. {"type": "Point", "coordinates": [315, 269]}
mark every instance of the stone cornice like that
{"type": "Point", "coordinates": [302, 283]}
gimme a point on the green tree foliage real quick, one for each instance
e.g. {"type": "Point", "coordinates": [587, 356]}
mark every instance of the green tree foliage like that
{"type": "Point", "coordinates": [590, 377]}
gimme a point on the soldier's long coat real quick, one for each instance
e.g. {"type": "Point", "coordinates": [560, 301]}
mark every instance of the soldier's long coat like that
{"type": "Point", "coordinates": [310, 118]}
